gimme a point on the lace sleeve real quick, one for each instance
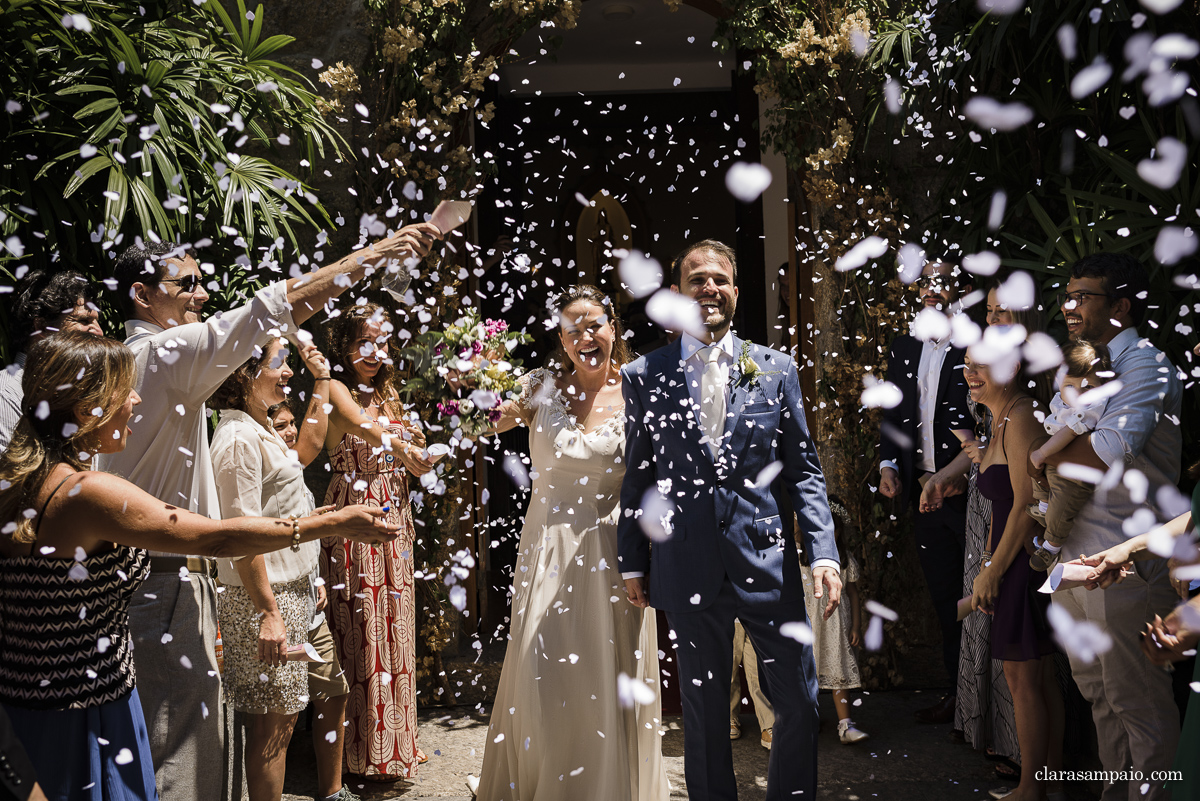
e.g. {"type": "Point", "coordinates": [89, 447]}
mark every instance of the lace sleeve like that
{"type": "Point", "coordinates": [533, 388]}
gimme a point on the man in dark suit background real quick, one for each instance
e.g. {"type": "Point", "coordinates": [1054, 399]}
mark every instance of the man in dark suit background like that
{"type": "Point", "coordinates": [922, 464]}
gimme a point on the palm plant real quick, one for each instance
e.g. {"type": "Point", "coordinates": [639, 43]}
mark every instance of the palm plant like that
{"type": "Point", "coordinates": [129, 120]}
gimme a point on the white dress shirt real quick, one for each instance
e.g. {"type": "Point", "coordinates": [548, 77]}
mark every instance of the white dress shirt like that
{"type": "Point", "coordinates": [178, 369]}
{"type": "Point", "coordinates": [929, 375]}
{"type": "Point", "coordinates": [11, 395]}
{"type": "Point", "coordinates": [258, 476]}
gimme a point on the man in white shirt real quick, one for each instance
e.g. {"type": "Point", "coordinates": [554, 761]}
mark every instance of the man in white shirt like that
{"type": "Point", "coordinates": [181, 361]}
{"type": "Point", "coordinates": [918, 449]}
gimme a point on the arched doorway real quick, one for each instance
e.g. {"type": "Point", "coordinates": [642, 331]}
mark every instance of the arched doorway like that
{"type": "Point", "coordinates": [619, 141]}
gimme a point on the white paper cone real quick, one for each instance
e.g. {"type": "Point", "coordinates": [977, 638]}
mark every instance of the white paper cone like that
{"type": "Point", "coordinates": [450, 214]}
{"type": "Point", "coordinates": [304, 652]}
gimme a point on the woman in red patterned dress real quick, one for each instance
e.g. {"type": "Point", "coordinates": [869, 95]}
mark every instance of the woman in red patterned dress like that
{"type": "Point", "coordinates": [373, 446]}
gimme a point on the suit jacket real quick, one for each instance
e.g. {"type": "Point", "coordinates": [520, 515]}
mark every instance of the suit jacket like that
{"type": "Point", "coordinates": [16, 772]}
{"type": "Point", "coordinates": [723, 520]}
{"type": "Point", "coordinates": [950, 410]}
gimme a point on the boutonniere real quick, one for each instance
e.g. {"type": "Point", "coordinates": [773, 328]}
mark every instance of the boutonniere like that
{"type": "Point", "coordinates": [748, 368]}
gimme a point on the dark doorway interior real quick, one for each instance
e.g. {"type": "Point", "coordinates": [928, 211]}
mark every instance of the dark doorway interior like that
{"type": "Point", "coordinates": [657, 164]}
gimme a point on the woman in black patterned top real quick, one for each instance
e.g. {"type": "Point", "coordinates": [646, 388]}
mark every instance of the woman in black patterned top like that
{"type": "Point", "coordinates": [73, 551]}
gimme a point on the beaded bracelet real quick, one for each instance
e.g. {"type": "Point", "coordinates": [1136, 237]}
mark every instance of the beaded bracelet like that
{"type": "Point", "coordinates": [295, 534]}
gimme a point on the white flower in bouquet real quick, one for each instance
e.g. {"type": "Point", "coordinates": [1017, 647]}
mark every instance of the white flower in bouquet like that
{"type": "Point", "coordinates": [466, 405]}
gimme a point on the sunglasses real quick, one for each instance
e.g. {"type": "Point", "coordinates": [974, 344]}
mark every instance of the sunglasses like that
{"type": "Point", "coordinates": [189, 283]}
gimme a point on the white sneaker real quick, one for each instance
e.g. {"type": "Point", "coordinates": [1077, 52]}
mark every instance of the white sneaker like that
{"type": "Point", "coordinates": [848, 734]}
{"type": "Point", "coordinates": [473, 784]}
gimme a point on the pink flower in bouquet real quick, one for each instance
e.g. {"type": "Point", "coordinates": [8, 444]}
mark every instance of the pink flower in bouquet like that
{"type": "Point", "coordinates": [495, 327]}
{"type": "Point", "coordinates": [493, 415]}
{"type": "Point", "coordinates": [447, 408]}
{"type": "Point", "coordinates": [477, 347]}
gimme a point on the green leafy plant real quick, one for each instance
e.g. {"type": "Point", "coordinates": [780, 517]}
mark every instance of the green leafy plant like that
{"type": "Point", "coordinates": [127, 119]}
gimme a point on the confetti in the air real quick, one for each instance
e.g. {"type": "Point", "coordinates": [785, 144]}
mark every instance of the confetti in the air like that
{"type": "Point", "coordinates": [989, 113]}
{"type": "Point", "coordinates": [1164, 170]}
{"type": "Point", "coordinates": [865, 251]}
{"type": "Point", "coordinates": [878, 394]}
{"type": "Point", "coordinates": [747, 181]}
{"type": "Point", "coordinates": [641, 275]}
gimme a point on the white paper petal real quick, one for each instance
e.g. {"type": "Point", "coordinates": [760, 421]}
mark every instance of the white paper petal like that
{"type": "Point", "coordinates": [1041, 353]}
{"type": "Point", "coordinates": [1164, 170]}
{"type": "Point", "coordinates": [983, 263]}
{"type": "Point", "coordinates": [1175, 46]}
{"type": "Point", "coordinates": [892, 95]}
{"type": "Point", "coordinates": [1067, 40]}
{"type": "Point", "coordinates": [1160, 6]}
{"type": "Point", "coordinates": [876, 608]}
{"type": "Point", "coordinates": [864, 251]}
{"type": "Point", "coordinates": [1091, 78]}
{"type": "Point", "coordinates": [747, 181]}
{"type": "Point", "coordinates": [641, 275]}
{"type": "Point", "coordinates": [799, 631]}
{"type": "Point", "coordinates": [878, 394]}
{"type": "Point", "coordinates": [1018, 293]}
{"type": "Point", "coordinates": [631, 692]}
{"type": "Point", "coordinates": [1082, 639]}
{"type": "Point", "coordinates": [930, 324]}
{"type": "Point", "coordinates": [766, 475]}
{"type": "Point", "coordinates": [963, 331]}
{"type": "Point", "coordinates": [1080, 472]}
{"type": "Point", "coordinates": [1004, 7]}
{"type": "Point", "coordinates": [989, 113]}
{"type": "Point", "coordinates": [912, 262]}
{"type": "Point", "coordinates": [656, 513]}
{"type": "Point", "coordinates": [676, 312]}
{"type": "Point", "coordinates": [1174, 243]}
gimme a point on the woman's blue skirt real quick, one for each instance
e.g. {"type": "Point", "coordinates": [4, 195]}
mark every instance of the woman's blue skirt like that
{"type": "Point", "coordinates": [97, 754]}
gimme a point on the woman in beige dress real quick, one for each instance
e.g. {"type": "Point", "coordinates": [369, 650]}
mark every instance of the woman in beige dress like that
{"type": "Point", "coordinates": [565, 724]}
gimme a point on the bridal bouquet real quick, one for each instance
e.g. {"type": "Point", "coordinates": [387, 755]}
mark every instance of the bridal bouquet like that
{"type": "Point", "coordinates": [476, 355]}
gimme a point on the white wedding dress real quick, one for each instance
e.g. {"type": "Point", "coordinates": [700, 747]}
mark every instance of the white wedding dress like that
{"type": "Point", "coordinates": [558, 728]}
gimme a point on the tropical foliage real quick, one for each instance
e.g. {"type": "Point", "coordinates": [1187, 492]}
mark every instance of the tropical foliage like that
{"type": "Point", "coordinates": [1111, 88]}
{"type": "Point", "coordinates": [126, 119]}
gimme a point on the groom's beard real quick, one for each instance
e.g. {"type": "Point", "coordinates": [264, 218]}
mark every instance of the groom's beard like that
{"type": "Point", "coordinates": [722, 320]}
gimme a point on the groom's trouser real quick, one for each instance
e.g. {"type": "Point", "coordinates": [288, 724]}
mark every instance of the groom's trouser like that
{"type": "Point", "coordinates": [704, 650]}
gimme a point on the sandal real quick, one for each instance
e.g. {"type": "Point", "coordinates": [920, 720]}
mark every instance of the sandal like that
{"type": "Point", "coordinates": [382, 778]}
{"type": "Point", "coordinates": [1008, 770]}
{"type": "Point", "coordinates": [421, 757]}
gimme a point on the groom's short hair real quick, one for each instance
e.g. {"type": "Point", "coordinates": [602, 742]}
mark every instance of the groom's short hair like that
{"type": "Point", "coordinates": [712, 246]}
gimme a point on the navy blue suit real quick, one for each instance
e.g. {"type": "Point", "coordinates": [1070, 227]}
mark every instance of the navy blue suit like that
{"type": "Point", "coordinates": [730, 555]}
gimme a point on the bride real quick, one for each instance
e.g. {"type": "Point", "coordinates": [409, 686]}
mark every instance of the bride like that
{"type": "Point", "coordinates": [559, 729]}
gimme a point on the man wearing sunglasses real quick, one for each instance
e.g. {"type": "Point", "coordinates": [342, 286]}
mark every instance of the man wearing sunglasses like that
{"type": "Point", "coordinates": [1137, 722]}
{"type": "Point", "coordinates": [922, 465]}
{"type": "Point", "coordinates": [181, 361]}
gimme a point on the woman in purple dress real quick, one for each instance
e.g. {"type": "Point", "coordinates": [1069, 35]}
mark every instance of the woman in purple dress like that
{"type": "Point", "coordinates": [1006, 586]}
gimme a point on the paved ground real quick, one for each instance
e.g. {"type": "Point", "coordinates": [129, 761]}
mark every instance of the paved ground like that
{"type": "Point", "coordinates": [903, 760]}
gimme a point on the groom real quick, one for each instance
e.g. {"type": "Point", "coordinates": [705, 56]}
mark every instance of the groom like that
{"type": "Point", "coordinates": [705, 424]}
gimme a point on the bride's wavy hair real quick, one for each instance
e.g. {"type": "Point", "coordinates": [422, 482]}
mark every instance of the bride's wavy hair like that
{"type": "Point", "coordinates": [621, 355]}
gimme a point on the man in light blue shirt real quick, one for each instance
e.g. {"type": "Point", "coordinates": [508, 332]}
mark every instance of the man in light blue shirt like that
{"type": "Point", "coordinates": [1137, 722]}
